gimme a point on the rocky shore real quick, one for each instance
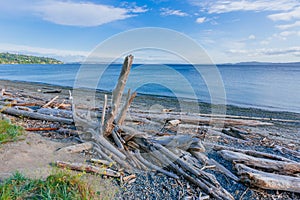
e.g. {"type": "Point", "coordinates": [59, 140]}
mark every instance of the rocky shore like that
{"type": "Point", "coordinates": [272, 131]}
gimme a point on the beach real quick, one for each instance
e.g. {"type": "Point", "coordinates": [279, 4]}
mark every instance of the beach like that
{"type": "Point", "coordinates": [284, 132]}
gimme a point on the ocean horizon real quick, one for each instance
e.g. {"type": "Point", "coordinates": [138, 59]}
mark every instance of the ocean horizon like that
{"type": "Point", "coordinates": [269, 86]}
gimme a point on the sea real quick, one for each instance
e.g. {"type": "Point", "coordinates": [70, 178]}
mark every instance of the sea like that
{"type": "Point", "coordinates": [274, 87]}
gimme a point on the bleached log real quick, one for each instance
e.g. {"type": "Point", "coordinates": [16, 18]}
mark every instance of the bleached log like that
{"type": "Point", "coordinates": [34, 115]}
{"type": "Point", "coordinates": [104, 110]}
{"type": "Point", "coordinates": [117, 95]}
{"type": "Point", "coordinates": [200, 156]}
{"type": "Point", "coordinates": [56, 112]}
{"type": "Point", "coordinates": [223, 169]}
{"type": "Point", "coordinates": [77, 148]}
{"type": "Point", "coordinates": [248, 152]}
{"type": "Point", "coordinates": [122, 115]}
{"type": "Point", "coordinates": [285, 150]}
{"type": "Point", "coordinates": [152, 166]}
{"type": "Point", "coordinates": [233, 134]}
{"type": "Point", "coordinates": [262, 163]}
{"type": "Point", "coordinates": [50, 102]}
{"type": "Point", "coordinates": [266, 180]}
{"type": "Point", "coordinates": [88, 168]}
{"type": "Point", "coordinates": [117, 139]}
{"type": "Point", "coordinates": [99, 161]}
{"type": "Point", "coordinates": [103, 141]}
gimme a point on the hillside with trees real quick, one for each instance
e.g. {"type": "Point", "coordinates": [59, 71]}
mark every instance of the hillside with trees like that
{"type": "Point", "coordinates": [8, 58]}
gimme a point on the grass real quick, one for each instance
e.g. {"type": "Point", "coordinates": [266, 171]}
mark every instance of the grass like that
{"type": "Point", "coordinates": [61, 185]}
{"type": "Point", "coordinates": [9, 132]}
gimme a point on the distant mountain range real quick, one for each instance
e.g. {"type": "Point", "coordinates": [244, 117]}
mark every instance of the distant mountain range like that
{"type": "Point", "coordinates": [9, 58]}
{"type": "Point", "coordinates": [262, 63]}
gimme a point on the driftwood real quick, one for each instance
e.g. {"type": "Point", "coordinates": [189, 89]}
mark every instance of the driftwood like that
{"type": "Point", "coordinates": [50, 102]}
{"type": "Point", "coordinates": [77, 148]}
{"type": "Point", "coordinates": [117, 95]}
{"type": "Point", "coordinates": [268, 180]}
{"type": "Point", "coordinates": [223, 169]}
{"type": "Point", "coordinates": [248, 152]}
{"type": "Point", "coordinates": [34, 115]}
{"type": "Point", "coordinates": [122, 116]}
{"type": "Point", "coordinates": [262, 163]}
{"type": "Point", "coordinates": [285, 150]}
{"type": "Point", "coordinates": [41, 129]}
{"type": "Point", "coordinates": [99, 161]}
{"type": "Point", "coordinates": [88, 168]}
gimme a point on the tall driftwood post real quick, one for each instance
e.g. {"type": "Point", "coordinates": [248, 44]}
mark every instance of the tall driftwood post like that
{"type": "Point", "coordinates": [117, 95]}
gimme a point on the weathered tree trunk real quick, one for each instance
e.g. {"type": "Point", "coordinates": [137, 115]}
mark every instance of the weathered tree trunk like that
{"type": "Point", "coordinates": [266, 164]}
{"type": "Point", "coordinates": [35, 115]}
{"type": "Point", "coordinates": [117, 95]}
{"type": "Point", "coordinates": [268, 180]}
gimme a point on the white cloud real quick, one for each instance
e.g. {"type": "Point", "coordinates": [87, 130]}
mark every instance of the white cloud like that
{"type": "Point", "coordinates": [288, 26]}
{"type": "Point", "coordinates": [79, 14]}
{"type": "Point", "coordinates": [224, 6]}
{"type": "Point", "coordinates": [288, 33]}
{"type": "Point", "coordinates": [201, 20]}
{"type": "Point", "coordinates": [294, 13]}
{"type": "Point", "coordinates": [251, 37]}
{"type": "Point", "coordinates": [267, 51]}
{"type": "Point", "coordinates": [168, 12]}
{"type": "Point", "coordinates": [71, 12]}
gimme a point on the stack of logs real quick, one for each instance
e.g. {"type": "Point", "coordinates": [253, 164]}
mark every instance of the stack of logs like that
{"type": "Point", "coordinates": [121, 147]}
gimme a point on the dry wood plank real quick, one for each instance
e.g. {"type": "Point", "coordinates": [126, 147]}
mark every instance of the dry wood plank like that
{"type": "Point", "coordinates": [262, 163]}
{"type": "Point", "coordinates": [50, 102]}
{"type": "Point", "coordinates": [41, 128]}
{"type": "Point", "coordinates": [77, 148]}
{"type": "Point", "coordinates": [34, 115]}
{"type": "Point", "coordinates": [88, 168]}
{"type": "Point", "coordinates": [266, 180]}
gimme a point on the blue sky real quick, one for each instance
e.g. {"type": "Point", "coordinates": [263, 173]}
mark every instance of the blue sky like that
{"type": "Point", "coordinates": [228, 30]}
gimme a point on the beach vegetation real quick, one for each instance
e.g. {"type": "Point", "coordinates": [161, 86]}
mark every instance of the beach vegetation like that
{"type": "Point", "coordinates": [10, 132]}
{"type": "Point", "coordinates": [61, 184]}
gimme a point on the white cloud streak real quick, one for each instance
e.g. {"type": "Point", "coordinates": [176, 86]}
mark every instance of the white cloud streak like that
{"type": "Point", "coordinates": [168, 12]}
{"type": "Point", "coordinates": [201, 20]}
{"type": "Point", "coordinates": [225, 6]}
{"type": "Point", "coordinates": [288, 26]}
{"type": "Point", "coordinates": [286, 16]}
{"type": "Point", "coordinates": [267, 51]}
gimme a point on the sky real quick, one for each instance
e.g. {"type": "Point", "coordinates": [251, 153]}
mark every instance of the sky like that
{"type": "Point", "coordinates": [229, 31]}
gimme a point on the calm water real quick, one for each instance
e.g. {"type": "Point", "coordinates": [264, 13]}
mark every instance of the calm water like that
{"type": "Point", "coordinates": [272, 87]}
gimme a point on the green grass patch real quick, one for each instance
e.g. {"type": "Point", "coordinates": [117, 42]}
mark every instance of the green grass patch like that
{"type": "Point", "coordinates": [9, 132]}
{"type": "Point", "coordinates": [61, 185]}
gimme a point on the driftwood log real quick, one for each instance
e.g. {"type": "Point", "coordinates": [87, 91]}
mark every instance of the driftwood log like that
{"type": "Point", "coordinates": [34, 115]}
{"type": "Point", "coordinates": [262, 163]}
{"type": "Point", "coordinates": [88, 168]}
{"type": "Point", "coordinates": [268, 180]}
